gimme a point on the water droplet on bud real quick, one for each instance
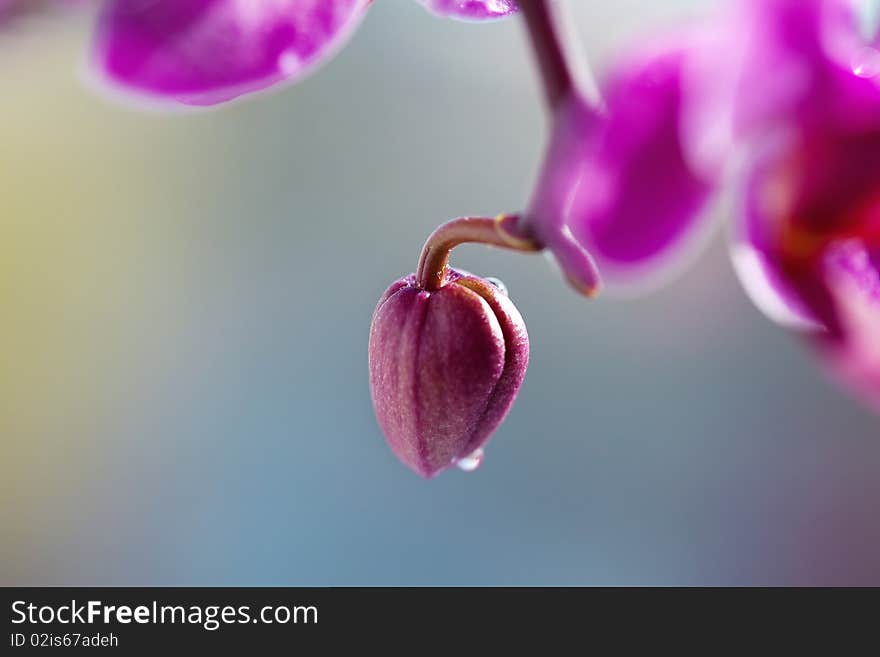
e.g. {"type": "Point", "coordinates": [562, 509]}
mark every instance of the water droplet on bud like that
{"type": "Point", "coordinates": [472, 461]}
{"type": "Point", "coordinates": [866, 63]}
{"type": "Point", "coordinates": [498, 283]}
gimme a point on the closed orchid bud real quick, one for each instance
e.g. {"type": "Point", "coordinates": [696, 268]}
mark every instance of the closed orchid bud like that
{"type": "Point", "coordinates": [447, 356]}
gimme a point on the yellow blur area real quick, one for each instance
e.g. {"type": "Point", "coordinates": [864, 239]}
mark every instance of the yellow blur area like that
{"type": "Point", "coordinates": [76, 294]}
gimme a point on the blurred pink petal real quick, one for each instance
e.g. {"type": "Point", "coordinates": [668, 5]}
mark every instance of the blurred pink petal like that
{"type": "Point", "coordinates": [640, 204]}
{"type": "Point", "coordinates": [203, 52]}
{"type": "Point", "coordinates": [765, 63]}
{"type": "Point", "coordinates": [766, 206]}
{"type": "Point", "coordinates": [807, 246]}
{"type": "Point", "coordinates": [806, 109]}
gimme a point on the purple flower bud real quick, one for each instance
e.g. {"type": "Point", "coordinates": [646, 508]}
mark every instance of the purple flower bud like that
{"type": "Point", "coordinates": [445, 367]}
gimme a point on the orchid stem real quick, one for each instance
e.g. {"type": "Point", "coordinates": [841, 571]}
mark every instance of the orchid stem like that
{"type": "Point", "coordinates": [502, 231]}
{"type": "Point", "coordinates": [558, 53]}
{"type": "Point", "coordinates": [566, 87]}
{"type": "Point", "coordinates": [573, 100]}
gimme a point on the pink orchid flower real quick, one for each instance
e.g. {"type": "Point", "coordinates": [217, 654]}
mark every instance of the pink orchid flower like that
{"type": "Point", "coordinates": [783, 94]}
{"type": "Point", "coordinates": [807, 234]}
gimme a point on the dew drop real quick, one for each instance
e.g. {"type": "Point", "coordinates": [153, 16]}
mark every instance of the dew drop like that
{"type": "Point", "coordinates": [866, 63]}
{"type": "Point", "coordinates": [472, 461]}
{"type": "Point", "coordinates": [499, 284]}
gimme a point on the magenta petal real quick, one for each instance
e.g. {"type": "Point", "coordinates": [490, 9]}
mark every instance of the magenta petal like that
{"type": "Point", "coordinates": [471, 10]}
{"type": "Point", "coordinates": [783, 63]}
{"type": "Point", "coordinates": [765, 64]}
{"type": "Point", "coordinates": [798, 65]}
{"type": "Point", "coordinates": [639, 202]}
{"type": "Point", "coordinates": [203, 52]}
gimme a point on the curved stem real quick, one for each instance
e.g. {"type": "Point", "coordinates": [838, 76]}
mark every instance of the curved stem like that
{"type": "Point", "coordinates": [557, 52]}
{"type": "Point", "coordinates": [570, 95]}
{"type": "Point", "coordinates": [501, 231]}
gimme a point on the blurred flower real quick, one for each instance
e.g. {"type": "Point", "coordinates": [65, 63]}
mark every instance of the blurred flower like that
{"type": "Point", "coordinates": [445, 367]}
{"type": "Point", "coordinates": [807, 236]}
{"type": "Point", "coordinates": [204, 52]}
{"type": "Point", "coordinates": [786, 95]}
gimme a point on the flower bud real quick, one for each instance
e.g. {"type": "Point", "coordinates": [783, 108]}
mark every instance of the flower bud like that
{"type": "Point", "coordinates": [445, 367]}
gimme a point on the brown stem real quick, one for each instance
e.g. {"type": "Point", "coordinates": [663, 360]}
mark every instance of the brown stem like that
{"type": "Point", "coordinates": [501, 231]}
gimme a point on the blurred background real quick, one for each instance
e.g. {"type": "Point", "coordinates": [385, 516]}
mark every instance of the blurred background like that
{"type": "Point", "coordinates": [184, 310]}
